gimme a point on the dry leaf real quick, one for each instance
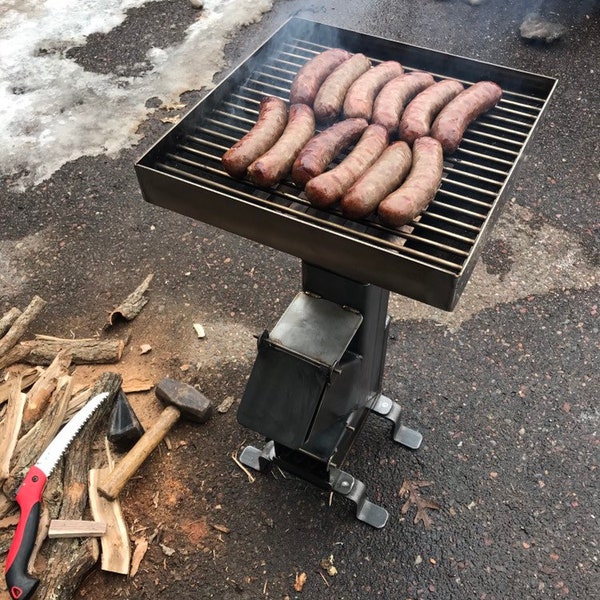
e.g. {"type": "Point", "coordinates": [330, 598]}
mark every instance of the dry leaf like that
{"type": "Point", "coordinates": [411, 489]}
{"type": "Point", "coordinates": [300, 581]}
{"type": "Point", "coordinates": [141, 546]}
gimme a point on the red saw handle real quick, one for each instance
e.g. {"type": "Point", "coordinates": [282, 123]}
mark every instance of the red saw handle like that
{"type": "Point", "coordinates": [29, 496]}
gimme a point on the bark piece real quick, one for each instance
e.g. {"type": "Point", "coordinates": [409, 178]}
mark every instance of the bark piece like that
{"type": "Point", "coordinates": [43, 349]}
{"type": "Point", "coordinates": [14, 355]}
{"type": "Point", "coordinates": [132, 305]}
{"type": "Point", "coordinates": [116, 551]}
{"type": "Point", "coordinates": [20, 325]}
{"type": "Point", "coordinates": [11, 427]}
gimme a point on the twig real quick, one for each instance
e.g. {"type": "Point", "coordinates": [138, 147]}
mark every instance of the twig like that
{"type": "Point", "coordinates": [251, 477]}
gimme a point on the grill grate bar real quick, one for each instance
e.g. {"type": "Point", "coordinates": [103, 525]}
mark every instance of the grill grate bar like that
{"type": "Point", "coordinates": [316, 219]}
{"type": "Point", "coordinates": [486, 205]}
{"type": "Point", "coordinates": [471, 175]}
{"type": "Point", "coordinates": [458, 209]}
{"type": "Point", "coordinates": [466, 186]}
{"type": "Point", "coordinates": [469, 164]}
{"type": "Point", "coordinates": [470, 140]}
{"type": "Point", "coordinates": [505, 130]}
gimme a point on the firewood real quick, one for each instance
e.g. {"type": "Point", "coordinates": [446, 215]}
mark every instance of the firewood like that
{"type": "Point", "coordinates": [20, 325]}
{"type": "Point", "coordinates": [43, 349]}
{"type": "Point", "coordinates": [75, 528]}
{"type": "Point", "coordinates": [133, 304]}
{"type": "Point", "coordinates": [14, 355]}
{"type": "Point", "coordinates": [28, 378]}
{"type": "Point", "coordinates": [7, 320]}
{"type": "Point", "coordinates": [34, 442]}
{"type": "Point", "coordinates": [40, 394]}
{"type": "Point", "coordinates": [11, 427]}
{"type": "Point", "coordinates": [71, 559]}
{"type": "Point", "coordinates": [116, 550]}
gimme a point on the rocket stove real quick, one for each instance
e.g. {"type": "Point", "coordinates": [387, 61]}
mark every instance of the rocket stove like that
{"type": "Point", "coordinates": [318, 373]}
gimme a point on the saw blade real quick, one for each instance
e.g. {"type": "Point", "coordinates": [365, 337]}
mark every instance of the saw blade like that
{"type": "Point", "coordinates": [64, 437]}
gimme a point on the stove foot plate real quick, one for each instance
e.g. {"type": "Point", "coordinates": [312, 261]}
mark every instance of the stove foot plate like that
{"type": "Point", "coordinates": [385, 407]}
{"type": "Point", "coordinates": [339, 481]}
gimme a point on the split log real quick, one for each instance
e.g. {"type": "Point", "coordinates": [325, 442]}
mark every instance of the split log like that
{"type": "Point", "coordinates": [8, 319]}
{"type": "Point", "coordinates": [41, 393]}
{"type": "Point", "coordinates": [43, 349]}
{"type": "Point", "coordinates": [71, 559]}
{"type": "Point", "coordinates": [28, 378]}
{"type": "Point", "coordinates": [11, 427]}
{"type": "Point", "coordinates": [34, 442]}
{"type": "Point", "coordinates": [116, 550]}
{"type": "Point", "coordinates": [133, 304]}
{"type": "Point", "coordinates": [21, 324]}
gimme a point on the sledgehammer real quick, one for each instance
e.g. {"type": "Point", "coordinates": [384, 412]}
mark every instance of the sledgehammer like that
{"type": "Point", "coordinates": [182, 399]}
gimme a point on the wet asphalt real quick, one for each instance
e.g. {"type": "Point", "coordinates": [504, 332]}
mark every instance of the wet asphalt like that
{"type": "Point", "coordinates": [506, 394]}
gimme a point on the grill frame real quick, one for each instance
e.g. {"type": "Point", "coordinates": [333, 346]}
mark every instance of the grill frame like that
{"type": "Point", "coordinates": [360, 250]}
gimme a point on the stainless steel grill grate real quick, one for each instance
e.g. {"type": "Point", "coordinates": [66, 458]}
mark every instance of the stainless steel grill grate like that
{"type": "Point", "coordinates": [431, 259]}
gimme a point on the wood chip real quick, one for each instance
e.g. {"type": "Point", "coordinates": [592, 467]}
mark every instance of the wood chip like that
{"type": "Point", "coordinates": [221, 528]}
{"type": "Point", "coordinates": [300, 581]}
{"type": "Point", "coordinates": [141, 547]}
{"type": "Point", "coordinates": [199, 330]}
{"type": "Point", "coordinates": [145, 348]}
{"type": "Point", "coordinates": [226, 404]}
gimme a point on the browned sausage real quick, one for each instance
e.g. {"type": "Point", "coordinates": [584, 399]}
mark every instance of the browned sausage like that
{"type": "Point", "coordinates": [361, 95]}
{"type": "Point", "coordinates": [452, 121]}
{"type": "Point", "coordinates": [275, 164]}
{"type": "Point", "coordinates": [423, 108]}
{"type": "Point", "coordinates": [419, 188]}
{"type": "Point", "coordinates": [382, 177]}
{"type": "Point", "coordinates": [327, 188]}
{"type": "Point", "coordinates": [324, 147]}
{"type": "Point", "coordinates": [331, 94]}
{"type": "Point", "coordinates": [313, 73]}
{"type": "Point", "coordinates": [395, 95]}
{"type": "Point", "coordinates": [271, 122]}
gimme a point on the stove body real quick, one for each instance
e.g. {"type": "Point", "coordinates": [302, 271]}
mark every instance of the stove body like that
{"type": "Point", "coordinates": [318, 372]}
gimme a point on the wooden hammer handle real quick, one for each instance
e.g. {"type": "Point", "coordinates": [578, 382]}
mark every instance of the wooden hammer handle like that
{"type": "Point", "coordinates": [111, 486]}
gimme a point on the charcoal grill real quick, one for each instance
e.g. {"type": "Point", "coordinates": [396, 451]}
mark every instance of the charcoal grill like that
{"type": "Point", "coordinates": [318, 372]}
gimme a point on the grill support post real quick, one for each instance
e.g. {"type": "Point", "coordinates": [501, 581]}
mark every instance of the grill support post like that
{"type": "Point", "coordinates": [317, 377]}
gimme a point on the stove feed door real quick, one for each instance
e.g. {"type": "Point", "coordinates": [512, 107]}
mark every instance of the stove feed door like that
{"type": "Point", "coordinates": [282, 396]}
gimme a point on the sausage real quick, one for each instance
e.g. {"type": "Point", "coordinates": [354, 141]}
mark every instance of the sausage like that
{"type": "Point", "coordinates": [272, 118]}
{"type": "Point", "coordinates": [273, 166]}
{"type": "Point", "coordinates": [324, 147]}
{"type": "Point", "coordinates": [327, 188]}
{"type": "Point", "coordinates": [384, 176]}
{"type": "Point", "coordinates": [452, 121]}
{"type": "Point", "coordinates": [423, 108]}
{"type": "Point", "coordinates": [313, 73]}
{"type": "Point", "coordinates": [395, 95]}
{"type": "Point", "coordinates": [331, 94]}
{"type": "Point", "coordinates": [419, 188]}
{"type": "Point", "coordinates": [361, 95]}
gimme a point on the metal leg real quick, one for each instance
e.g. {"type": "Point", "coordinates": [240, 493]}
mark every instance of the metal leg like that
{"type": "Point", "coordinates": [259, 460]}
{"type": "Point", "coordinates": [385, 407]}
{"type": "Point", "coordinates": [343, 483]}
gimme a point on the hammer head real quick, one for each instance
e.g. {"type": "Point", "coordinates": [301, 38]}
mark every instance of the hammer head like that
{"type": "Point", "coordinates": [191, 403]}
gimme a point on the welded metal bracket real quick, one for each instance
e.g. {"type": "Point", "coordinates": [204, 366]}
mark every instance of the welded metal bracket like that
{"type": "Point", "coordinates": [385, 407]}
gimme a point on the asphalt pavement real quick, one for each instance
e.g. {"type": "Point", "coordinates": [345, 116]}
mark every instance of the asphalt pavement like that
{"type": "Point", "coordinates": [504, 389]}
